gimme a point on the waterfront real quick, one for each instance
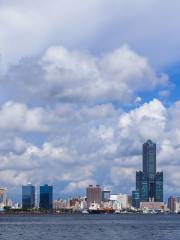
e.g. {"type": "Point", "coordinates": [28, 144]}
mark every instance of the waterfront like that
{"type": "Point", "coordinates": [90, 227]}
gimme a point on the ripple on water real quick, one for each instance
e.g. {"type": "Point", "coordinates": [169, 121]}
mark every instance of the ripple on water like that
{"type": "Point", "coordinates": [90, 227]}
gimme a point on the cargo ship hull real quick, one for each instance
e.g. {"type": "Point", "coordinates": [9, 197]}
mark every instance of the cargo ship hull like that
{"type": "Point", "coordinates": [100, 211]}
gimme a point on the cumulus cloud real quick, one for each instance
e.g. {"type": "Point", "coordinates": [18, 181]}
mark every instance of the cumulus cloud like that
{"type": "Point", "coordinates": [76, 76]}
{"type": "Point", "coordinates": [81, 185]}
{"type": "Point", "coordinates": [113, 23]}
{"type": "Point", "coordinates": [17, 117]}
{"type": "Point", "coordinates": [91, 146]}
{"type": "Point", "coordinates": [149, 119]}
{"type": "Point", "coordinates": [72, 101]}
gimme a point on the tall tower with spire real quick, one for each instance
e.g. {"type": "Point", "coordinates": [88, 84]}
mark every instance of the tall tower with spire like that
{"type": "Point", "coordinates": [149, 183]}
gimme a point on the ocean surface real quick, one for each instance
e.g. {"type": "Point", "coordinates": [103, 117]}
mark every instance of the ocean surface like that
{"type": "Point", "coordinates": [90, 227]}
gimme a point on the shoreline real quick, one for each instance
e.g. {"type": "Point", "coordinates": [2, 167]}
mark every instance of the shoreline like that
{"type": "Point", "coordinates": [76, 213]}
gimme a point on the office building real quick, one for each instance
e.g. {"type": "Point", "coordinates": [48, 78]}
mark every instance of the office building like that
{"type": "Point", "coordinates": [46, 197]}
{"type": "Point", "coordinates": [159, 187]}
{"type": "Point", "coordinates": [120, 201]}
{"type": "Point", "coordinates": [3, 197]}
{"type": "Point", "coordinates": [149, 183]}
{"type": "Point", "coordinates": [28, 196]}
{"type": "Point", "coordinates": [93, 194]}
{"type": "Point", "coordinates": [123, 201]}
{"type": "Point", "coordinates": [177, 204]}
{"type": "Point", "coordinates": [135, 199]}
{"type": "Point", "coordinates": [106, 195]}
{"type": "Point", "coordinates": [142, 186]}
{"type": "Point", "coordinates": [172, 204]}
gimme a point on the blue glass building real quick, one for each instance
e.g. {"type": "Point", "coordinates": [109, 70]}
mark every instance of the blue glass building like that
{"type": "Point", "coordinates": [159, 187]}
{"type": "Point", "coordinates": [46, 197]}
{"type": "Point", "coordinates": [28, 196]}
{"type": "Point", "coordinates": [135, 199]}
{"type": "Point", "coordinates": [149, 166]}
{"type": "Point", "coordinates": [149, 183]}
{"type": "Point", "coordinates": [142, 186]}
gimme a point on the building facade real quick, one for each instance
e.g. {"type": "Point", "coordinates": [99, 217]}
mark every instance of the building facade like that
{"type": "Point", "coordinates": [3, 197]}
{"type": "Point", "coordinates": [177, 204]}
{"type": "Point", "coordinates": [46, 197]}
{"type": "Point", "coordinates": [157, 206]}
{"type": "Point", "coordinates": [159, 187]}
{"type": "Point", "coordinates": [106, 195]}
{"type": "Point", "coordinates": [28, 196]}
{"type": "Point", "coordinates": [142, 186]}
{"type": "Point", "coordinates": [93, 194]}
{"type": "Point", "coordinates": [123, 201]}
{"type": "Point", "coordinates": [149, 183]}
{"type": "Point", "coordinates": [172, 204]}
{"type": "Point", "coordinates": [135, 199]}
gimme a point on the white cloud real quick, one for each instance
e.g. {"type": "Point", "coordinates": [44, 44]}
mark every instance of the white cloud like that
{"type": "Point", "coordinates": [15, 177]}
{"type": "Point", "coordinates": [35, 25]}
{"type": "Point", "coordinates": [105, 148]}
{"type": "Point", "coordinates": [62, 118]}
{"type": "Point", "coordinates": [147, 121]}
{"type": "Point", "coordinates": [16, 116]}
{"type": "Point", "coordinates": [117, 75]}
{"type": "Point", "coordinates": [81, 185]}
{"type": "Point", "coordinates": [75, 76]}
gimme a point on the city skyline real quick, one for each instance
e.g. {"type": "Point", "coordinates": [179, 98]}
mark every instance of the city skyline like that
{"type": "Point", "coordinates": [82, 86]}
{"type": "Point", "coordinates": [148, 178]}
{"type": "Point", "coordinates": [149, 184]}
{"type": "Point", "coordinates": [89, 119]}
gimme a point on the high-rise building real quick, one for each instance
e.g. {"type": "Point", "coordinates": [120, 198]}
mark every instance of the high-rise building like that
{"type": "Point", "coordinates": [46, 197]}
{"type": "Point", "coordinates": [135, 199]}
{"type": "Point", "coordinates": [28, 196]}
{"type": "Point", "coordinates": [159, 187]}
{"type": "Point", "coordinates": [149, 160]}
{"type": "Point", "coordinates": [149, 167]}
{"type": "Point", "coordinates": [106, 195]}
{"type": "Point", "coordinates": [142, 186]}
{"type": "Point", "coordinates": [93, 194]}
{"type": "Point", "coordinates": [3, 196]}
{"type": "Point", "coordinates": [172, 204]}
{"type": "Point", "coordinates": [149, 183]}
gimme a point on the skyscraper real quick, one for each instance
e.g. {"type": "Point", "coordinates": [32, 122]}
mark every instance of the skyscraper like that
{"type": "Point", "coordinates": [28, 196]}
{"type": "Point", "coordinates": [149, 166]}
{"type": "Point", "coordinates": [93, 194]}
{"type": "Point", "coordinates": [46, 197]}
{"type": "Point", "coordinates": [149, 159]}
{"type": "Point", "coordinates": [149, 183]}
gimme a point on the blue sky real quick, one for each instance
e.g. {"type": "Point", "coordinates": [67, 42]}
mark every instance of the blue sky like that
{"type": "Point", "coordinates": [82, 85]}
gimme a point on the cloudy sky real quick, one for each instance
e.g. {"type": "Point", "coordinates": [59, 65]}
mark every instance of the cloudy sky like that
{"type": "Point", "coordinates": [82, 85]}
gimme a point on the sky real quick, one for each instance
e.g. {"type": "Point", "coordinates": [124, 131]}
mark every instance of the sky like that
{"type": "Point", "coordinates": [83, 84]}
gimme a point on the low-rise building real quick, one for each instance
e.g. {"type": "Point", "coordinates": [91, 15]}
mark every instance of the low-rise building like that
{"type": "Point", "coordinates": [157, 206]}
{"type": "Point", "coordinates": [120, 201]}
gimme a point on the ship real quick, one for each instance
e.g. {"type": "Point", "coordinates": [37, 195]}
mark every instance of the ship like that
{"type": "Point", "coordinates": [100, 210]}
